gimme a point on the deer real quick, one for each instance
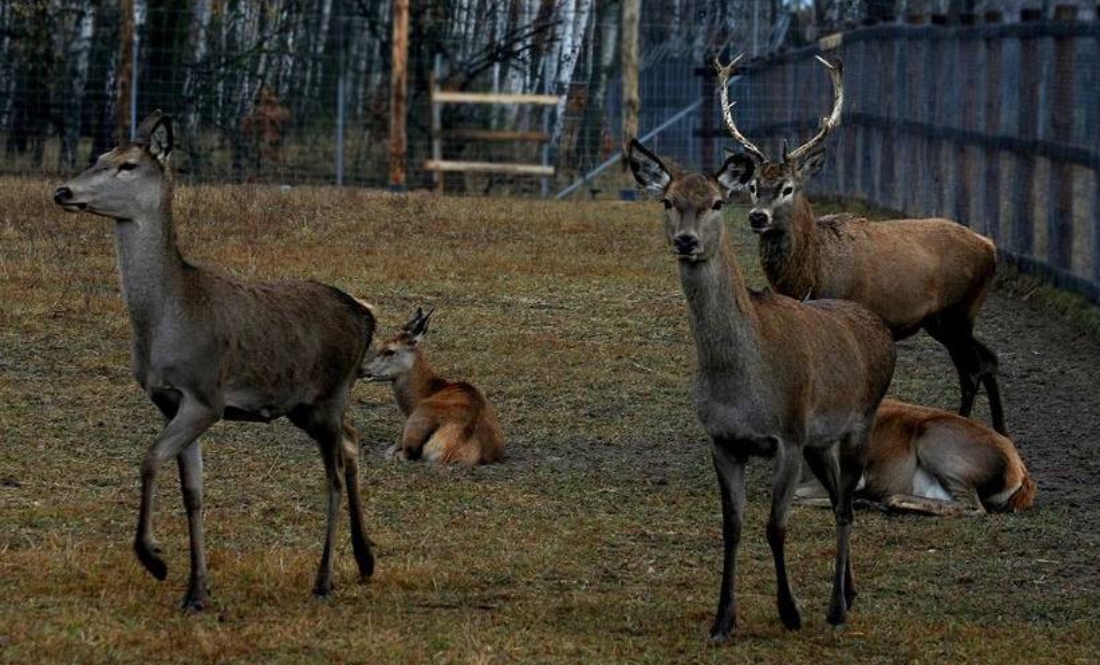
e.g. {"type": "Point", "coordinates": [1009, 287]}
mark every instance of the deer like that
{"type": "Point", "coordinates": [446, 422]}
{"type": "Point", "coordinates": [929, 461]}
{"type": "Point", "coordinates": [931, 274]}
{"type": "Point", "coordinates": [775, 378]}
{"type": "Point", "coordinates": [207, 347]}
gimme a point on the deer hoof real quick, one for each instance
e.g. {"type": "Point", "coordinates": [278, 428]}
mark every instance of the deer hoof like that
{"type": "Point", "coordinates": [790, 616]}
{"type": "Point", "coordinates": [149, 556]}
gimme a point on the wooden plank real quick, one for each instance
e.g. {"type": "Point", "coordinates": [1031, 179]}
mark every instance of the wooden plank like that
{"type": "Point", "coordinates": [454, 97]}
{"type": "Point", "coordinates": [494, 135]}
{"type": "Point", "coordinates": [489, 167]}
{"type": "Point", "coordinates": [398, 91]}
{"type": "Point", "coordinates": [1060, 211]}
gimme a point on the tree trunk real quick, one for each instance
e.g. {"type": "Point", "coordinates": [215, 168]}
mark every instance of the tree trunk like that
{"type": "Point", "coordinates": [195, 62]}
{"type": "Point", "coordinates": [574, 21]}
{"type": "Point", "coordinates": [594, 124]}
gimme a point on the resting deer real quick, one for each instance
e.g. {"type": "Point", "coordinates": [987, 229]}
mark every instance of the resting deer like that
{"type": "Point", "coordinates": [914, 273]}
{"type": "Point", "coordinates": [446, 422]}
{"type": "Point", "coordinates": [935, 462]}
{"type": "Point", "coordinates": [776, 378]}
{"type": "Point", "coordinates": [208, 347]}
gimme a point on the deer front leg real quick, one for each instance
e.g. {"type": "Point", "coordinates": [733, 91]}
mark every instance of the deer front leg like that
{"type": "Point", "coordinates": [730, 469]}
{"type": "Point", "coordinates": [190, 421]}
{"type": "Point", "coordinates": [329, 440]}
{"type": "Point", "coordinates": [788, 467]}
{"type": "Point", "coordinates": [190, 468]}
{"type": "Point", "coordinates": [418, 430]}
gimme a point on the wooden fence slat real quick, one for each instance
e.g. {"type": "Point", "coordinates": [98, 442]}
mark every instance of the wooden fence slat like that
{"type": "Point", "coordinates": [488, 167]}
{"type": "Point", "coordinates": [454, 97]}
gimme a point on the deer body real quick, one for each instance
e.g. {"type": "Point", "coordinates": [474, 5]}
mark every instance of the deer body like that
{"type": "Point", "coordinates": [915, 273]}
{"type": "Point", "coordinates": [446, 422]}
{"type": "Point", "coordinates": [208, 347]}
{"type": "Point", "coordinates": [776, 378]}
{"type": "Point", "coordinates": [934, 462]}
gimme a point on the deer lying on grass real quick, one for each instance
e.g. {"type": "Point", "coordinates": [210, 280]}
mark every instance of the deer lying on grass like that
{"type": "Point", "coordinates": [776, 378]}
{"type": "Point", "coordinates": [446, 422]}
{"type": "Point", "coordinates": [208, 347]}
{"type": "Point", "coordinates": [934, 462]}
{"type": "Point", "coordinates": [914, 273]}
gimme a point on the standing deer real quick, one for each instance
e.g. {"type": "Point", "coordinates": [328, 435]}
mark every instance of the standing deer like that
{"type": "Point", "coordinates": [935, 462]}
{"type": "Point", "coordinates": [208, 347]}
{"type": "Point", "coordinates": [776, 378]}
{"type": "Point", "coordinates": [446, 422]}
{"type": "Point", "coordinates": [914, 273]}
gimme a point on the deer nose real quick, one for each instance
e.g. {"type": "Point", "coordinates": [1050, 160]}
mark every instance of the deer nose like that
{"type": "Point", "coordinates": [61, 195]}
{"type": "Point", "coordinates": [759, 220]}
{"type": "Point", "coordinates": [685, 243]}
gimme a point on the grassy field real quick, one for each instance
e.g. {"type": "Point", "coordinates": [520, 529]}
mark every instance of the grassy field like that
{"type": "Point", "coordinates": [597, 541]}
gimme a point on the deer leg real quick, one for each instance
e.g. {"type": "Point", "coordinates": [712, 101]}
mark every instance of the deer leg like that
{"type": "Point", "coordinates": [730, 469]}
{"type": "Point", "coordinates": [419, 429]}
{"type": "Point", "coordinates": [360, 543]}
{"type": "Point", "coordinates": [329, 439]}
{"type": "Point", "coordinates": [825, 466]}
{"type": "Point", "coordinates": [788, 466]}
{"type": "Point", "coordinates": [190, 468]}
{"type": "Point", "coordinates": [987, 373]}
{"type": "Point", "coordinates": [852, 452]}
{"type": "Point", "coordinates": [190, 421]}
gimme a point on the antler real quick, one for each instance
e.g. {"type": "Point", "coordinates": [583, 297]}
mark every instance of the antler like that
{"type": "Point", "coordinates": [724, 73]}
{"type": "Point", "coordinates": [829, 123]}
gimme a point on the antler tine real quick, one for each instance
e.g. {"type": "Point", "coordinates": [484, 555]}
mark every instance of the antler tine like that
{"type": "Point", "coordinates": [832, 121]}
{"type": "Point", "coordinates": [724, 73]}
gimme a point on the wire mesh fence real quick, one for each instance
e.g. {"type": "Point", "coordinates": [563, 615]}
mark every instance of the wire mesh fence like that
{"type": "Point", "coordinates": [990, 116]}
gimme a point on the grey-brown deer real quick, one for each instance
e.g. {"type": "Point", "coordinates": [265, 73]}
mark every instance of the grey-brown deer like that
{"type": "Point", "coordinates": [914, 273]}
{"type": "Point", "coordinates": [207, 347]}
{"type": "Point", "coordinates": [933, 462]}
{"type": "Point", "coordinates": [776, 378]}
{"type": "Point", "coordinates": [448, 422]}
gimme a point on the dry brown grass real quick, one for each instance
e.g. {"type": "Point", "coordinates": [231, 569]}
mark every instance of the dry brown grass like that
{"type": "Point", "coordinates": [598, 541]}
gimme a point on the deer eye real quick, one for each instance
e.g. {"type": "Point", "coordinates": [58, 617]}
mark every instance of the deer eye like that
{"type": "Point", "coordinates": [752, 189]}
{"type": "Point", "coordinates": [387, 353]}
{"type": "Point", "coordinates": [127, 166]}
{"type": "Point", "coordinates": [717, 205]}
{"type": "Point", "coordinates": [787, 190]}
{"type": "Point", "coordinates": [667, 204]}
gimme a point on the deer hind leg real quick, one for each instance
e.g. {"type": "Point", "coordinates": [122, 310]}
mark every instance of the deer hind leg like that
{"type": "Point", "coordinates": [360, 543]}
{"type": "Point", "coordinates": [852, 454]}
{"type": "Point", "coordinates": [788, 466]}
{"type": "Point", "coordinates": [987, 372]}
{"type": "Point", "coordinates": [191, 419]}
{"type": "Point", "coordinates": [730, 469]}
{"type": "Point", "coordinates": [325, 425]}
{"type": "Point", "coordinates": [824, 464]}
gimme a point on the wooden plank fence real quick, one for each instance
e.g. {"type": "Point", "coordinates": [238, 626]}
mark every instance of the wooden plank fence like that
{"type": "Point", "coordinates": [994, 125]}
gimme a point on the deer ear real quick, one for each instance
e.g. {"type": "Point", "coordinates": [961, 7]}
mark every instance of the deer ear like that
{"type": "Point", "coordinates": [418, 326]}
{"type": "Point", "coordinates": [155, 133]}
{"type": "Point", "coordinates": [811, 164]}
{"type": "Point", "coordinates": [736, 172]}
{"type": "Point", "coordinates": [648, 170]}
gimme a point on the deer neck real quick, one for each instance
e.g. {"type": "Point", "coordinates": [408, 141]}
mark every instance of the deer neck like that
{"type": "Point", "coordinates": [721, 312]}
{"type": "Point", "coordinates": [790, 257]}
{"type": "Point", "coordinates": [416, 385]}
{"type": "Point", "coordinates": [149, 261]}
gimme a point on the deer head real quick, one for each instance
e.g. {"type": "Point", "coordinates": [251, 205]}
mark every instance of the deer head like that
{"type": "Point", "coordinates": [693, 201]}
{"type": "Point", "coordinates": [127, 182]}
{"type": "Point", "coordinates": [397, 355]}
{"type": "Point", "coordinates": [775, 186]}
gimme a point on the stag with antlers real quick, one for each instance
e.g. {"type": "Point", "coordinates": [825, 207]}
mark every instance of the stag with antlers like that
{"type": "Point", "coordinates": [914, 273]}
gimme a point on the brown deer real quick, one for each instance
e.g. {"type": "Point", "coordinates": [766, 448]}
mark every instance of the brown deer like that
{"type": "Point", "coordinates": [914, 273]}
{"type": "Point", "coordinates": [446, 422]}
{"type": "Point", "coordinates": [776, 378]}
{"type": "Point", "coordinates": [934, 462]}
{"type": "Point", "coordinates": [207, 347]}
